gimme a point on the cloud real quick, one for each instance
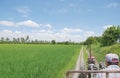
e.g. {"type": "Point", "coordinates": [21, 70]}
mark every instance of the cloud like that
{"type": "Point", "coordinates": [28, 23]}
{"type": "Point", "coordinates": [65, 34]}
{"type": "Point", "coordinates": [12, 34]}
{"type": "Point", "coordinates": [7, 23]}
{"type": "Point", "coordinates": [107, 26]}
{"type": "Point", "coordinates": [112, 5]}
{"type": "Point", "coordinates": [69, 30]}
{"type": "Point", "coordinates": [42, 31]}
{"type": "Point", "coordinates": [24, 10]}
{"type": "Point", "coordinates": [49, 26]}
{"type": "Point", "coordinates": [89, 33]}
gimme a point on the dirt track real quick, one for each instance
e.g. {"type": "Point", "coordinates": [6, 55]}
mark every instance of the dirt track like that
{"type": "Point", "coordinates": [80, 63]}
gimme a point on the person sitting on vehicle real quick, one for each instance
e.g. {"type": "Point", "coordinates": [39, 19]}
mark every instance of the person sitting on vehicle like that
{"type": "Point", "coordinates": [101, 65]}
{"type": "Point", "coordinates": [112, 63]}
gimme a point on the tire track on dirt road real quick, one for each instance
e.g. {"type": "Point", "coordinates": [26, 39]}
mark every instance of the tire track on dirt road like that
{"type": "Point", "coordinates": [80, 63]}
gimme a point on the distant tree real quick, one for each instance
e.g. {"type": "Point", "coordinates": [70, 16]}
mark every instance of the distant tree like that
{"type": "Point", "coordinates": [27, 38]}
{"type": "Point", "coordinates": [90, 40]}
{"type": "Point", "coordinates": [118, 30]}
{"type": "Point", "coordinates": [22, 40]}
{"type": "Point", "coordinates": [14, 40]}
{"type": "Point", "coordinates": [2, 40]}
{"type": "Point", "coordinates": [98, 38]}
{"type": "Point", "coordinates": [67, 42]}
{"type": "Point", "coordinates": [36, 41]}
{"type": "Point", "coordinates": [18, 40]}
{"type": "Point", "coordinates": [7, 40]}
{"type": "Point", "coordinates": [53, 42]}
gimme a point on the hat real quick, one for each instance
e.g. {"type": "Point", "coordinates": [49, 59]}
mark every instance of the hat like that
{"type": "Point", "coordinates": [112, 58]}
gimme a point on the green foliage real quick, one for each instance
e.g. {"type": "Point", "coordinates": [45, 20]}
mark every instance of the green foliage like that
{"type": "Point", "coordinates": [110, 36]}
{"type": "Point", "coordinates": [100, 52]}
{"type": "Point", "coordinates": [53, 42]}
{"type": "Point", "coordinates": [36, 61]}
{"type": "Point", "coordinates": [91, 40]}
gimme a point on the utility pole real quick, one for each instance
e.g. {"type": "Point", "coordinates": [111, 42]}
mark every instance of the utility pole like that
{"type": "Point", "coordinates": [90, 51]}
{"type": "Point", "coordinates": [118, 41]}
{"type": "Point", "coordinates": [119, 38]}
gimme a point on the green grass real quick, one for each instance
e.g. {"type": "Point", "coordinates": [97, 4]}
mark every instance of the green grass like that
{"type": "Point", "coordinates": [100, 52]}
{"type": "Point", "coordinates": [36, 61]}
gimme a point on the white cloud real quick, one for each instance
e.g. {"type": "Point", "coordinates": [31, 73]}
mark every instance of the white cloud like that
{"type": "Point", "coordinates": [7, 31]}
{"type": "Point", "coordinates": [7, 23]}
{"type": "Point", "coordinates": [69, 30]}
{"type": "Point", "coordinates": [89, 33]}
{"type": "Point", "coordinates": [42, 31]}
{"type": "Point", "coordinates": [23, 10]}
{"type": "Point", "coordinates": [107, 26]}
{"type": "Point", "coordinates": [11, 34]}
{"type": "Point", "coordinates": [49, 26]}
{"type": "Point", "coordinates": [112, 5]}
{"type": "Point", "coordinates": [65, 35]}
{"type": "Point", "coordinates": [28, 23]}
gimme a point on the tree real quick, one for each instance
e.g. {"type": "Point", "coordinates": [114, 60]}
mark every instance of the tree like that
{"type": "Point", "coordinates": [2, 40]}
{"type": "Point", "coordinates": [66, 42]}
{"type": "Point", "coordinates": [90, 40]}
{"type": "Point", "coordinates": [118, 30]}
{"type": "Point", "coordinates": [7, 40]}
{"type": "Point", "coordinates": [27, 38]}
{"type": "Point", "coordinates": [22, 40]}
{"type": "Point", "coordinates": [53, 42]}
{"type": "Point", "coordinates": [110, 36]}
{"type": "Point", "coordinates": [14, 40]}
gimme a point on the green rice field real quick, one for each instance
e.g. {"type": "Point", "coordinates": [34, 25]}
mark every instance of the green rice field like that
{"type": "Point", "coordinates": [37, 61]}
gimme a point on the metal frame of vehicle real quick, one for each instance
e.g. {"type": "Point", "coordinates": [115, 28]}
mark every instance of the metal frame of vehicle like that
{"type": "Point", "coordinates": [86, 72]}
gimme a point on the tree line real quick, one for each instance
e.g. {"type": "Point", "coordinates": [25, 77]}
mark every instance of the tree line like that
{"type": "Point", "coordinates": [26, 40]}
{"type": "Point", "coordinates": [109, 37]}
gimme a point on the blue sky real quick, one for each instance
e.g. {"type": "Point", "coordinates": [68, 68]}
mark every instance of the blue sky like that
{"type": "Point", "coordinates": [61, 20]}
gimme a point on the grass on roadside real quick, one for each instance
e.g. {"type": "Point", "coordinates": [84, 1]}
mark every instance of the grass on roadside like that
{"type": "Point", "coordinates": [100, 52]}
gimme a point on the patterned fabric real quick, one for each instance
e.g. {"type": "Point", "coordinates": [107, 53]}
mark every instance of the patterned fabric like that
{"type": "Point", "coordinates": [111, 75]}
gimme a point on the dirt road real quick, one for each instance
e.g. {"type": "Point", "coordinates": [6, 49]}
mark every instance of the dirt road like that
{"type": "Point", "coordinates": [80, 64]}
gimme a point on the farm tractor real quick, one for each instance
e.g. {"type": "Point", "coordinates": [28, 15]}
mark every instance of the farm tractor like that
{"type": "Point", "coordinates": [92, 68]}
{"type": "Point", "coordinates": [91, 64]}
